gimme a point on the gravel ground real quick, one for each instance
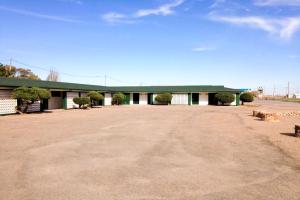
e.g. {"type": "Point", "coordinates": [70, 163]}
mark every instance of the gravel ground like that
{"type": "Point", "coordinates": [149, 152]}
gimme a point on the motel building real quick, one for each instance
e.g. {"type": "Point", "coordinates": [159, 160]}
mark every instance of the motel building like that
{"type": "Point", "coordinates": [62, 94]}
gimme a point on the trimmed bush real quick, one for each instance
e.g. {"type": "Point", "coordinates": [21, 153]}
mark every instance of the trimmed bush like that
{"type": "Point", "coordinates": [225, 98]}
{"type": "Point", "coordinates": [246, 97]}
{"type": "Point", "coordinates": [118, 98]}
{"type": "Point", "coordinates": [82, 102]}
{"type": "Point", "coordinates": [164, 98]}
{"type": "Point", "coordinates": [95, 96]}
{"type": "Point", "coordinates": [28, 96]}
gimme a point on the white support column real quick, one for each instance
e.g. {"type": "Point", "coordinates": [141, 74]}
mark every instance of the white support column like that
{"type": "Point", "coordinates": [131, 99]}
{"type": "Point", "coordinates": [234, 102]}
{"type": "Point", "coordinates": [107, 99]}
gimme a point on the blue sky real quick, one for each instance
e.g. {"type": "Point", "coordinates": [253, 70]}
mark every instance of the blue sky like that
{"type": "Point", "coordinates": [242, 44]}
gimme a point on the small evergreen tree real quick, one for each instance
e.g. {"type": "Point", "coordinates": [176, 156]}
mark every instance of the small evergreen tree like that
{"type": "Point", "coordinates": [164, 98]}
{"type": "Point", "coordinates": [246, 97]}
{"type": "Point", "coordinates": [118, 98]}
{"type": "Point", "coordinates": [225, 97]}
{"type": "Point", "coordinates": [94, 96]}
{"type": "Point", "coordinates": [28, 96]}
{"type": "Point", "coordinates": [82, 102]}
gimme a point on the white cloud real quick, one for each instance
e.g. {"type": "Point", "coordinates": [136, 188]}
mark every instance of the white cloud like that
{"type": "Point", "coordinates": [78, 2]}
{"type": "Point", "coordinates": [285, 28]}
{"type": "Point", "coordinates": [217, 3]}
{"type": "Point", "coordinates": [164, 10]}
{"type": "Point", "coordinates": [114, 18]}
{"type": "Point", "coordinates": [202, 49]}
{"type": "Point", "coordinates": [293, 56]}
{"type": "Point", "coordinates": [39, 15]}
{"type": "Point", "coordinates": [277, 2]}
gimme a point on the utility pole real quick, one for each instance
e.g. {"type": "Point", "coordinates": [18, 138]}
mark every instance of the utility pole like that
{"type": "Point", "coordinates": [288, 95]}
{"type": "Point", "coordinates": [274, 89]}
{"type": "Point", "coordinates": [10, 64]}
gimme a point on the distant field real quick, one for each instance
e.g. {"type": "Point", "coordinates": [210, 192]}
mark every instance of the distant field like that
{"type": "Point", "coordinates": [291, 100]}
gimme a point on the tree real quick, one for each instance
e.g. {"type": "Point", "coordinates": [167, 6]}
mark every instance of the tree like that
{"type": "Point", "coordinates": [10, 71]}
{"type": "Point", "coordinates": [53, 76]}
{"type": "Point", "coordinates": [118, 98]}
{"type": "Point", "coordinates": [28, 96]}
{"type": "Point", "coordinates": [246, 97]}
{"type": "Point", "coordinates": [7, 71]}
{"type": "Point", "coordinates": [225, 98]}
{"type": "Point", "coordinates": [81, 101]}
{"type": "Point", "coordinates": [164, 98]}
{"type": "Point", "coordinates": [26, 74]}
{"type": "Point", "coordinates": [94, 96]}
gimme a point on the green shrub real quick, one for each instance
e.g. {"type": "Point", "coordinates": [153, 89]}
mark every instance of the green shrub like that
{"type": "Point", "coordinates": [118, 98]}
{"type": "Point", "coordinates": [82, 102]}
{"type": "Point", "coordinates": [246, 97]}
{"type": "Point", "coordinates": [164, 98]}
{"type": "Point", "coordinates": [28, 96]}
{"type": "Point", "coordinates": [225, 98]}
{"type": "Point", "coordinates": [94, 96]}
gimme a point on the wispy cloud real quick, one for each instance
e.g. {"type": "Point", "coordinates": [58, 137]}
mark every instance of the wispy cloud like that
{"type": "Point", "coordinates": [277, 2]}
{"type": "Point", "coordinates": [285, 28]}
{"type": "Point", "coordinates": [39, 15]}
{"type": "Point", "coordinates": [292, 56]}
{"type": "Point", "coordinates": [203, 49]}
{"type": "Point", "coordinates": [78, 2]}
{"type": "Point", "coordinates": [114, 18]}
{"type": "Point", "coordinates": [164, 10]}
{"type": "Point", "coordinates": [216, 3]}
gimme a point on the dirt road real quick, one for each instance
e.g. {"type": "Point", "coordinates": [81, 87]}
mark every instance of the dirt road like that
{"type": "Point", "coordinates": [147, 152]}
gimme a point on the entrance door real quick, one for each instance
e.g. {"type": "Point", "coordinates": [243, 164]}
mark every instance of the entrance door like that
{"type": "Point", "coordinates": [136, 98]}
{"type": "Point", "coordinates": [127, 99]}
{"type": "Point", "coordinates": [150, 98]}
{"type": "Point", "coordinates": [44, 104]}
{"type": "Point", "coordinates": [211, 99]}
{"type": "Point", "coordinates": [195, 99]}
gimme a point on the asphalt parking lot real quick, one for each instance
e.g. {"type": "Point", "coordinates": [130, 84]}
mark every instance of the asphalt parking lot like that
{"type": "Point", "coordinates": [147, 152]}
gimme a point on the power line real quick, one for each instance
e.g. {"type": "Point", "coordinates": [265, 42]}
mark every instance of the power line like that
{"type": "Point", "coordinates": [105, 77]}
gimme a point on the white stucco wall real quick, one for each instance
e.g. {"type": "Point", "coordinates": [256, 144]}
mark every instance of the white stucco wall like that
{"type": "Point", "coordinates": [180, 99]}
{"type": "Point", "coordinates": [70, 96]}
{"type": "Point", "coordinates": [107, 99]}
{"type": "Point", "coordinates": [234, 102]}
{"type": "Point", "coordinates": [7, 103]}
{"type": "Point", "coordinates": [131, 99]}
{"type": "Point", "coordinates": [83, 94]}
{"type": "Point", "coordinates": [203, 99]}
{"type": "Point", "coordinates": [143, 99]}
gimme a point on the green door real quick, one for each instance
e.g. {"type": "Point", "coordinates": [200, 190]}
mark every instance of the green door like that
{"type": "Point", "coordinates": [195, 98]}
{"type": "Point", "coordinates": [127, 98]}
{"type": "Point", "coordinates": [150, 98]}
{"type": "Point", "coordinates": [44, 104]}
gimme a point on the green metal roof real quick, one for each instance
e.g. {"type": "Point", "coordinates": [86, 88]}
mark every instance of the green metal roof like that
{"type": "Point", "coordinates": [14, 82]}
{"type": "Point", "coordinates": [187, 88]}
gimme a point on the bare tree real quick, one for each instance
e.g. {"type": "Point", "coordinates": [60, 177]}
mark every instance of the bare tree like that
{"type": "Point", "coordinates": [53, 76]}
